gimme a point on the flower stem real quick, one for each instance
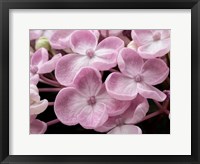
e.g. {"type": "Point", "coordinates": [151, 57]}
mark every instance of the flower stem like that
{"type": "Point", "coordinates": [50, 82]}
{"type": "Point", "coordinates": [51, 103]}
{"type": "Point", "coordinates": [151, 115]}
{"type": "Point", "coordinates": [49, 89]}
{"type": "Point", "coordinates": [53, 122]}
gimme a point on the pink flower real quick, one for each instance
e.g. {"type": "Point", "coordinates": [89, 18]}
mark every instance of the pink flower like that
{"type": "Point", "coordinates": [87, 102]}
{"type": "Point", "coordinates": [106, 33]}
{"type": "Point", "coordinates": [37, 126]}
{"type": "Point", "coordinates": [35, 34]}
{"type": "Point", "coordinates": [136, 77]}
{"type": "Point", "coordinates": [123, 124]}
{"type": "Point", "coordinates": [88, 52]}
{"type": "Point", "coordinates": [151, 43]}
{"type": "Point", "coordinates": [40, 62]}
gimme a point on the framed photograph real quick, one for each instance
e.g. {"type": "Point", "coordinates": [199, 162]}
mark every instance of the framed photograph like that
{"type": "Point", "coordinates": [102, 81]}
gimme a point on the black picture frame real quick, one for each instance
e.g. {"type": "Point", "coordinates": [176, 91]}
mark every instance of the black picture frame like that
{"type": "Point", "coordinates": [5, 5]}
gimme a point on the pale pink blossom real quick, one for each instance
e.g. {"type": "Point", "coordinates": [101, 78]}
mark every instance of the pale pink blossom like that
{"type": "Point", "coordinates": [107, 33]}
{"type": "Point", "coordinates": [87, 52]}
{"type": "Point", "coordinates": [137, 77]}
{"type": "Point", "coordinates": [124, 123]}
{"type": "Point", "coordinates": [87, 102]}
{"type": "Point", "coordinates": [37, 126]}
{"type": "Point", "coordinates": [151, 43]}
{"type": "Point", "coordinates": [35, 34]}
{"type": "Point", "coordinates": [40, 62]}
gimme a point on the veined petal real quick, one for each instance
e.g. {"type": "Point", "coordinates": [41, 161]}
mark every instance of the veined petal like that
{"type": "Point", "coordinates": [129, 62]}
{"type": "Point", "coordinates": [154, 71]}
{"type": "Point", "coordinates": [50, 65]}
{"type": "Point", "coordinates": [38, 127]}
{"type": "Point", "coordinates": [108, 125]}
{"type": "Point", "coordinates": [151, 92]}
{"type": "Point", "coordinates": [121, 87]}
{"type": "Point", "coordinates": [68, 66]}
{"type": "Point", "coordinates": [68, 105]}
{"type": "Point", "coordinates": [94, 116]}
{"type": "Point", "coordinates": [110, 43]}
{"type": "Point", "coordinates": [114, 107]}
{"type": "Point", "coordinates": [141, 37]}
{"type": "Point", "coordinates": [39, 57]}
{"type": "Point", "coordinates": [83, 40]}
{"type": "Point", "coordinates": [155, 49]}
{"type": "Point", "coordinates": [126, 129]}
{"type": "Point", "coordinates": [38, 107]}
{"type": "Point", "coordinates": [88, 81]}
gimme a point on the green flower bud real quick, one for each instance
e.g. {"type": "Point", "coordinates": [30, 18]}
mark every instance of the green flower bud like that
{"type": "Point", "coordinates": [42, 42]}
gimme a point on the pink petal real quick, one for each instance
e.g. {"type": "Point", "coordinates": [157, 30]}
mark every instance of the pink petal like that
{"type": "Point", "coordinates": [38, 127]}
{"type": "Point", "coordinates": [60, 39]}
{"type": "Point", "coordinates": [129, 62]}
{"type": "Point", "coordinates": [68, 105]}
{"type": "Point", "coordinates": [39, 57]}
{"type": "Point", "coordinates": [38, 107]}
{"type": "Point", "coordinates": [121, 87]}
{"type": "Point", "coordinates": [34, 93]}
{"type": "Point", "coordinates": [35, 34]}
{"type": "Point", "coordinates": [68, 66]}
{"type": "Point", "coordinates": [106, 33]}
{"type": "Point", "coordinates": [110, 43]}
{"type": "Point", "coordinates": [108, 125]}
{"type": "Point", "coordinates": [34, 78]}
{"type": "Point", "coordinates": [83, 40]}
{"type": "Point", "coordinates": [32, 118]}
{"type": "Point", "coordinates": [126, 129]}
{"type": "Point", "coordinates": [136, 111]}
{"type": "Point", "coordinates": [114, 107]}
{"type": "Point", "coordinates": [88, 81]}
{"type": "Point", "coordinates": [141, 37]}
{"type": "Point", "coordinates": [94, 116]}
{"type": "Point", "coordinates": [151, 92]}
{"type": "Point", "coordinates": [155, 49]}
{"type": "Point", "coordinates": [104, 61]}
{"type": "Point", "coordinates": [50, 65]}
{"type": "Point", "coordinates": [154, 71]}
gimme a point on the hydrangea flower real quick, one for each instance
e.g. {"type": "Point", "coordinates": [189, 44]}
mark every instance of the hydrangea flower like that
{"type": "Point", "coordinates": [151, 43]}
{"type": "Point", "coordinates": [41, 64]}
{"type": "Point", "coordinates": [87, 52]}
{"type": "Point", "coordinates": [136, 77]}
{"type": "Point", "coordinates": [106, 33]}
{"type": "Point", "coordinates": [87, 102]}
{"type": "Point", "coordinates": [37, 106]}
{"type": "Point", "coordinates": [124, 123]}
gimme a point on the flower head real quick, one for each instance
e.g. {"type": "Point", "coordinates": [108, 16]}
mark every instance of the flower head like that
{"type": "Point", "coordinates": [87, 52]}
{"type": "Point", "coordinates": [87, 101]}
{"type": "Point", "coordinates": [151, 43]}
{"type": "Point", "coordinates": [137, 77]}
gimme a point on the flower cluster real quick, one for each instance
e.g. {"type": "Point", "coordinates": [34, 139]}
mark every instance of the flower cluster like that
{"type": "Point", "coordinates": [104, 80]}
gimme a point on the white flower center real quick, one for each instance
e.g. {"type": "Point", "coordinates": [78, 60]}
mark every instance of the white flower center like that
{"type": "Point", "coordinates": [138, 78]}
{"type": "Point", "coordinates": [156, 36]}
{"type": "Point", "coordinates": [90, 53]}
{"type": "Point", "coordinates": [92, 100]}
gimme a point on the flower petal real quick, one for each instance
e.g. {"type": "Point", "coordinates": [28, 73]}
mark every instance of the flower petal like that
{"type": "Point", "coordinates": [50, 65]}
{"type": "Point", "coordinates": [83, 40]}
{"type": "Point", "coordinates": [126, 129]}
{"type": "Point", "coordinates": [68, 66]}
{"type": "Point", "coordinates": [155, 49]}
{"type": "Point", "coordinates": [38, 107]}
{"type": "Point", "coordinates": [114, 107]}
{"type": "Point", "coordinates": [88, 81]}
{"type": "Point", "coordinates": [35, 34]}
{"type": "Point", "coordinates": [38, 127]}
{"type": "Point", "coordinates": [108, 125]}
{"type": "Point", "coordinates": [60, 38]}
{"type": "Point", "coordinates": [94, 116]}
{"type": "Point", "coordinates": [34, 78]}
{"type": "Point", "coordinates": [68, 105]}
{"type": "Point", "coordinates": [129, 62]}
{"type": "Point", "coordinates": [121, 87]}
{"type": "Point", "coordinates": [154, 71]}
{"type": "Point", "coordinates": [141, 37]}
{"type": "Point", "coordinates": [39, 57]}
{"type": "Point", "coordinates": [151, 92]}
{"type": "Point", "coordinates": [110, 43]}
{"type": "Point", "coordinates": [136, 111]}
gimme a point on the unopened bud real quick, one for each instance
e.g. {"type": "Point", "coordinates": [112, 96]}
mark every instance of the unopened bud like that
{"type": "Point", "coordinates": [42, 42]}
